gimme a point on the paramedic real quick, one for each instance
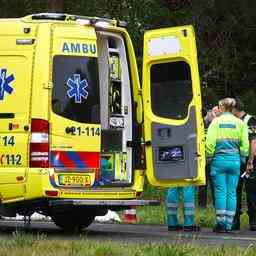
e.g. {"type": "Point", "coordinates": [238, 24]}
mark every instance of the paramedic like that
{"type": "Point", "coordinates": [250, 181]}
{"type": "Point", "coordinates": [226, 145]}
{"type": "Point", "coordinates": [172, 203]}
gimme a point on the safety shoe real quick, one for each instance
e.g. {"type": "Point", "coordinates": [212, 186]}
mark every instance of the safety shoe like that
{"type": "Point", "coordinates": [175, 228]}
{"type": "Point", "coordinates": [235, 226]}
{"type": "Point", "coordinates": [192, 228]}
{"type": "Point", "coordinates": [219, 229]}
{"type": "Point", "coordinates": [253, 227]}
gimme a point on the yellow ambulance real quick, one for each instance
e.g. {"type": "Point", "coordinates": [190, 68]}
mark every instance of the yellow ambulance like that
{"type": "Point", "coordinates": [78, 134]}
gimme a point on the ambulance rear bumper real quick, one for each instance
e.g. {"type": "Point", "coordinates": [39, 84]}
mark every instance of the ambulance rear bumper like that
{"type": "Point", "coordinates": [81, 202]}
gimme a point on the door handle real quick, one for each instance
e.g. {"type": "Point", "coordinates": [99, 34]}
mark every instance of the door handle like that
{"type": "Point", "coordinates": [148, 143]}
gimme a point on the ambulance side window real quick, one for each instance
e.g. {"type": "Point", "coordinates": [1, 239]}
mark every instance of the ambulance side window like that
{"type": "Point", "coordinates": [171, 89]}
{"type": "Point", "coordinates": [75, 94]}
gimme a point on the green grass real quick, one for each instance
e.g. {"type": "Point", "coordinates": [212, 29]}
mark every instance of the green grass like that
{"type": "Point", "coordinates": [203, 217]}
{"type": "Point", "coordinates": [22, 244]}
{"type": "Point", "coordinates": [25, 244]}
{"type": "Point", "coordinates": [157, 214]}
{"type": "Point", "coordinates": [151, 214]}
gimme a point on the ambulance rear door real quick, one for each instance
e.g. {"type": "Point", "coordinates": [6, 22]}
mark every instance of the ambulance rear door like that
{"type": "Point", "coordinates": [172, 108]}
{"type": "Point", "coordinates": [16, 55]}
{"type": "Point", "coordinates": [75, 107]}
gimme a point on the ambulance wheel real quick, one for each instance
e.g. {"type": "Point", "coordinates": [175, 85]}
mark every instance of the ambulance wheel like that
{"type": "Point", "coordinates": [72, 222]}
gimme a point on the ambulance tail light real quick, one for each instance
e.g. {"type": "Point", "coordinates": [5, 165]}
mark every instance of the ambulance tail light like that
{"type": "Point", "coordinates": [39, 143]}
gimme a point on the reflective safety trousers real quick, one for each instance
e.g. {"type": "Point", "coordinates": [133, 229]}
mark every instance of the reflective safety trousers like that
{"type": "Point", "coordinates": [227, 138]}
{"type": "Point", "coordinates": [225, 176]}
{"type": "Point", "coordinates": [172, 204]}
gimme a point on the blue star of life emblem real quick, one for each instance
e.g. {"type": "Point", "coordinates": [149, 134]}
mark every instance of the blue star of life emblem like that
{"type": "Point", "coordinates": [77, 88]}
{"type": "Point", "coordinates": [5, 81]}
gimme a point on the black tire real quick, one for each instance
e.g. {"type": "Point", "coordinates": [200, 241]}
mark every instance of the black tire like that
{"type": "Point", "coordinates": [72, 222]}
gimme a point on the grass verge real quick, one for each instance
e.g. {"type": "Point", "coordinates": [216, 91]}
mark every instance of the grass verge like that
{"type": "Point", "coordinates": [23, 244]}
{"type": "Point", "coordinates": [205, 217]}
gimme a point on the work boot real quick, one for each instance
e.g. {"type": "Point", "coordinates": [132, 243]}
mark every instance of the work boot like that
{"type": "Point", "coordinates": [236, 226]}
{"type": "Point", "coordinates": [192, 228]}
{"type": "Point", "coordinates": [219, 228]}
{"type": "Point", "coordinates": [236, 223]}
{"type": "Point", "coordinates": [252, 222]}
{"type": "Point", "coordinates": [175, 228]}
{"type": "Point", "coordinates": [253, 227]}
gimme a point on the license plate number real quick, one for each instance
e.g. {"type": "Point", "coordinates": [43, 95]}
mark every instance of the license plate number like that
{"type": "Point", "coordinates": [75, 180]}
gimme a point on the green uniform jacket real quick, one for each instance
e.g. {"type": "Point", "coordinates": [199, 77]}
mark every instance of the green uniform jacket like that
{"type": "Point", "coordinates": [227, 136]}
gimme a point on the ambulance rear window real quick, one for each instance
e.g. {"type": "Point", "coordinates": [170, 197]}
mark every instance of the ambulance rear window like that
{"type": "Point", "coordinates": [171, 89]}
{"type": "Point", "coordinates": [75, 94]}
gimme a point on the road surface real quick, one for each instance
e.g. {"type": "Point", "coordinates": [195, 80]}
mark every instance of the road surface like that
{"type": "Point", "coordinates": [132, 234]}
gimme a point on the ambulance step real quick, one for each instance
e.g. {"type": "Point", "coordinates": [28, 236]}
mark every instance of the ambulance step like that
{"type": "Point", "coordinates": [134, 202]}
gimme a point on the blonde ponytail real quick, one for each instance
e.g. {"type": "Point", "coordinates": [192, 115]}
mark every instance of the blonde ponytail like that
{"type": "Point", "coordinates": [227, 104]}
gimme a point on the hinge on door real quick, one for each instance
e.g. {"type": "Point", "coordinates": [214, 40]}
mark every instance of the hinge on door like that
{"type": "Point", "coordinates": [48, 85]}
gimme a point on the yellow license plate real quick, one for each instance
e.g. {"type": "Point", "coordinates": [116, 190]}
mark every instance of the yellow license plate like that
{"type": "Point", "coordinates": [74, 180]}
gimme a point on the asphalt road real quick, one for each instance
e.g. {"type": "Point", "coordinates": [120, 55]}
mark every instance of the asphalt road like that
{"type": "Point", "coordinates": [131, 234]}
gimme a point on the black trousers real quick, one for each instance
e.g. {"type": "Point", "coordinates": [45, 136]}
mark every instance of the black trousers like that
{"type": "Point", "coordinates": [250, 189]}
{"type": "Point", "coordinates": [202, 191]}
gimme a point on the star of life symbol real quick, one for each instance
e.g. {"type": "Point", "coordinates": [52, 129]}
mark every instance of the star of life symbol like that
{"type": "Point", "coordinates": [77, 88]}
{"type": "Point", "coordinates": [5, 81]}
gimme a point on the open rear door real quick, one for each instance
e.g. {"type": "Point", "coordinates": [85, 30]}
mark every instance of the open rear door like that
{"type": "Point", "coordinates": [174, 134]}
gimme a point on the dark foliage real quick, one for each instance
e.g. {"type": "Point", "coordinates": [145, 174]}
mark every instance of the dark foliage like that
{"type": "Point", "coordinates": [225, 30]}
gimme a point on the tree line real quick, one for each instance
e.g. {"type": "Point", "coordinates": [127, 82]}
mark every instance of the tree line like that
{"type": "Point", "coordinates": [225, 30]}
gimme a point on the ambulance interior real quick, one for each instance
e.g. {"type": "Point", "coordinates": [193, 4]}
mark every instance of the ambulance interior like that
{"type": "Point", "coordinates": [115, 111]}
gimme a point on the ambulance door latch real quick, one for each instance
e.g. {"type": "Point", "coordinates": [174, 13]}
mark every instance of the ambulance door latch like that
{"type": "Point", "coordinates": [48, 85]}
{"type": "Point", "coordinates": [148, 143]}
